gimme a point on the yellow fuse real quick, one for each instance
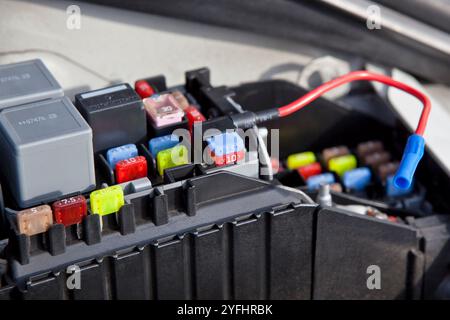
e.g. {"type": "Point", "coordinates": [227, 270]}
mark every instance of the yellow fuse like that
{"type": "Point", "coordinates": [298, 160]}
{"type": "Point", "coordinates": [342, 164]}
{"type": "Point", "coordinates": [107, 200]}
{"type": "Point", "coordinates": [172, 157]}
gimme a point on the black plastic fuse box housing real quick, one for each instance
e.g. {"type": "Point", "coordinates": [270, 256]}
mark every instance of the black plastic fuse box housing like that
{"type": "Point", "coordinates": [181, 241]}
{"type": "Point", "coordinates": [199, 234]}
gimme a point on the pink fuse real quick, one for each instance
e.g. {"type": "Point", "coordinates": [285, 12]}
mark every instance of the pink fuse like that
{"type": "Point", "coordinates": [163, 109]}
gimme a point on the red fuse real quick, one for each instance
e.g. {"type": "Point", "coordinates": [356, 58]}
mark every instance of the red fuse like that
{"type": "Point", "coordinates": [193, 115]}
{"type": "Point", "coordinates": [310, 170]}
{"type": "Point", "coordinates": [392, 219]}
{"type": "Point", "coordinates": [143, 89]}
{"type": "Point", "coordinates": [131, 169]}
{"type": "Point", "coordinates": [70, 211]}
{"type": "Point", "coordinates": [228, 158]}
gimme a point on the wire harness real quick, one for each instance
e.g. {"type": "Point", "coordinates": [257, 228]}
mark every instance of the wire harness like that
{"type": "Point", "coordinates": [414, 149]}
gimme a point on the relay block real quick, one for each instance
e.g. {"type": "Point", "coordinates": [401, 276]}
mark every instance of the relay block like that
{"type": "Point", "coordinates": [156, 193]}
{"type": "Point", "coordinates": [25, 82]}
{"type": "Point", "coordinates": [46, 151]}
{"type": "Point", "coordinates": [115, 114]}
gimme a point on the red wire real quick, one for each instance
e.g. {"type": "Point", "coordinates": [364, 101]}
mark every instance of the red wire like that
{"type": "Point", "coordinates": [357, 76]}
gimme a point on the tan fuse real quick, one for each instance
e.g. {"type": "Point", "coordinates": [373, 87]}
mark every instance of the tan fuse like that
{"type": "Point", "coordinates": [387, 169]}
{"type": "Point", "coordinates": [35, 220]}
{"type": "Point", "coordinates": [334, 152]}
{"type": "Point", "coordinates": [365, 148]}
{"type": "Point", "coordinates": [181, 99]}
{"type": "Point", "coordinates": [376, 159]}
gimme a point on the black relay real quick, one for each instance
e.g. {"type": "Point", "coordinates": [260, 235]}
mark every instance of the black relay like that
{"type": "Point", "coordinates": [116, 115]}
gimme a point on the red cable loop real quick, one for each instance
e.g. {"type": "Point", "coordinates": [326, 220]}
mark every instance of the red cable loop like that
{"type": "Point", "coordinates": [357, 76]}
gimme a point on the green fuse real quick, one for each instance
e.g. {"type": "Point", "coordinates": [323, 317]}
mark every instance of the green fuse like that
{"type": "Point", "coordinates": [106, 201]}
{"type": "Point", "coordinates": [298, 160]}
{"type": "Point", "coordinates": [342, 164]}
{"type": "Point", "coordinates": [172, 157]}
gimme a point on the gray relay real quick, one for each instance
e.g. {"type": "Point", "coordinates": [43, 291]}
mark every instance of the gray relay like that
{"type": "Point", "coordinates": [25, 82]}
{"type": "Point", "coordinates": [45, 151]}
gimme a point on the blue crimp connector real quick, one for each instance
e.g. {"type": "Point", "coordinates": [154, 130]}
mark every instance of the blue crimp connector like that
{"type": "Point", "coordinates": [411, 156]}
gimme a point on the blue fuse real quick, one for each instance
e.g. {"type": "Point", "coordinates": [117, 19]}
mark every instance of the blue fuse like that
{"type": "Point", "coordinates": [357, 179]}
{"type": "Point", "coordinates": [158, 144]}
{"type": "Point", "coordinates": [393, 191]}
{"type": "Point", "coordinates": [124, 152]}
{"type": "Point", "coordinates": [225, 143]}
{"type": "Point", "coordinates": [314, 182]}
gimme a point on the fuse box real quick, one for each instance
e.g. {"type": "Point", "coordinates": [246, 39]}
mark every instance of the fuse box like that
{"type": "Point", "coordinates": [160, 222]}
